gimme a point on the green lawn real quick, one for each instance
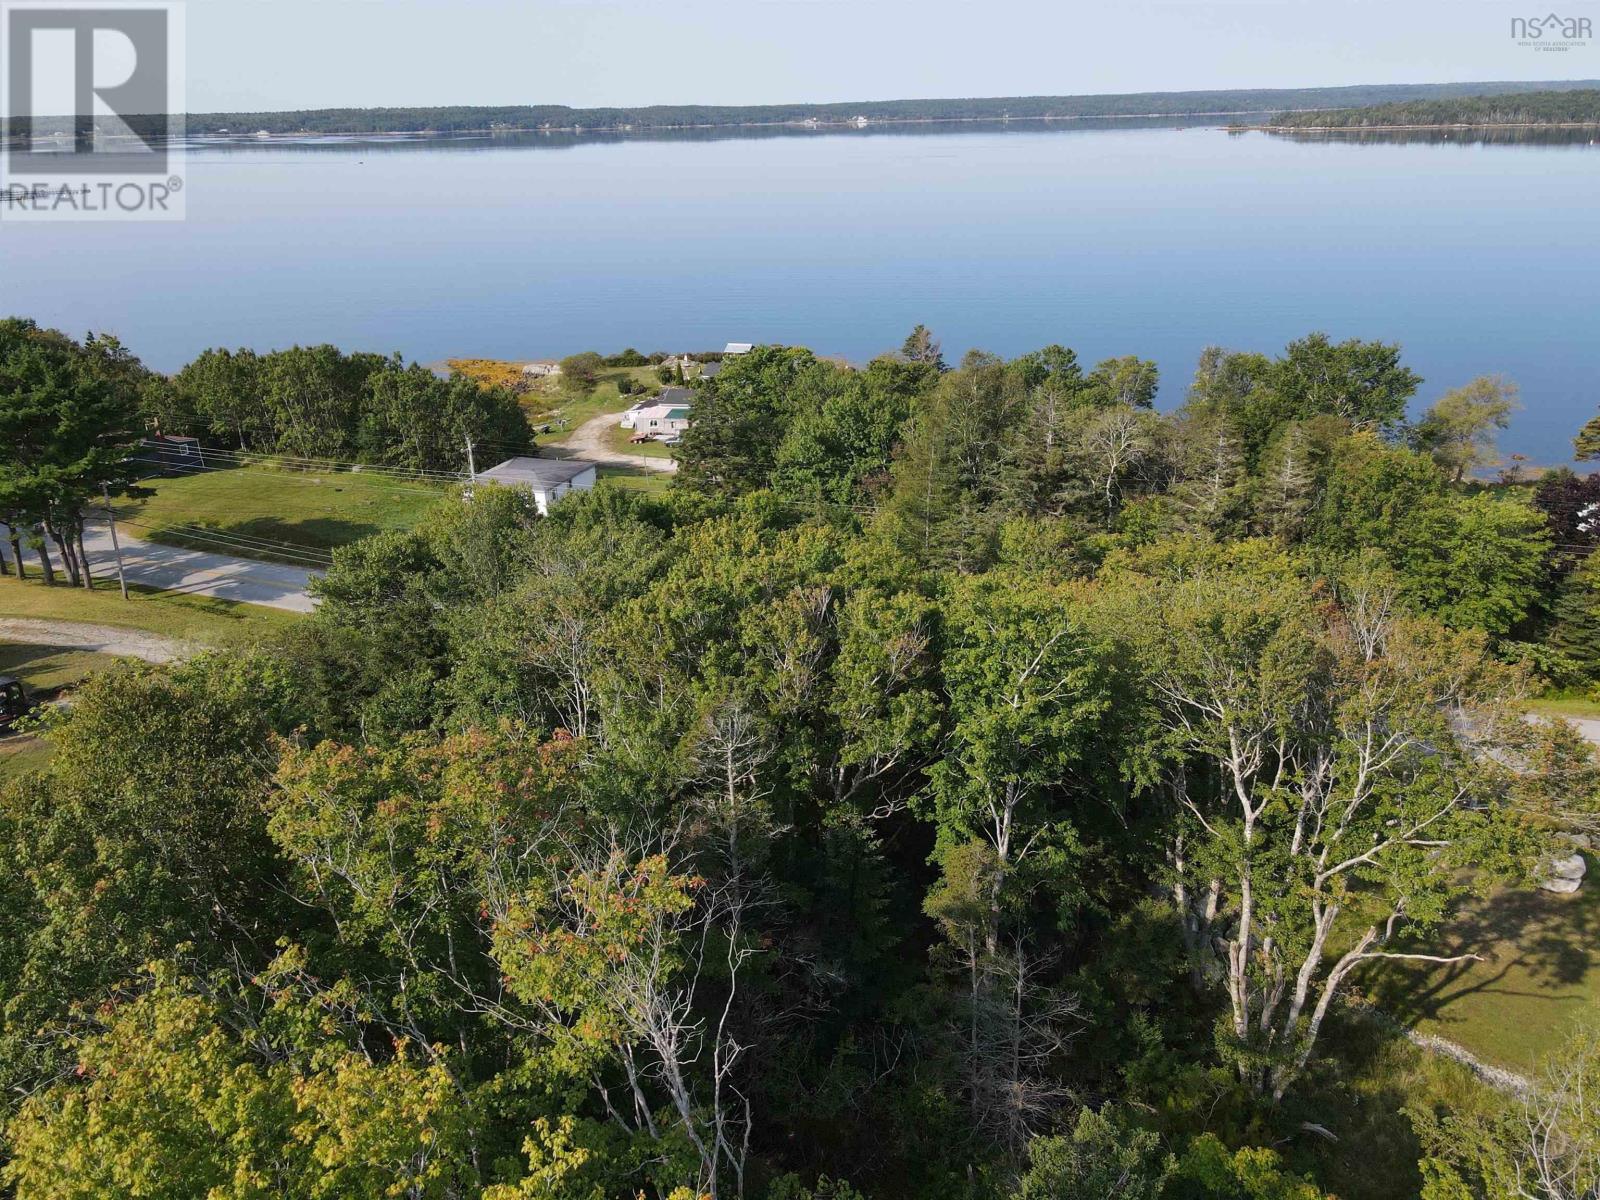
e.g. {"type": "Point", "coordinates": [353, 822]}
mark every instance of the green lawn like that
{"type": "Point", "coordinates": [275, 515]}
{"type": "Point", "coordinates": [1565, 706]}
{"type": "Point", "coordinates": [620, 440]}
{"type": "Point", "coordinates": [45, 671]}
{"type": "Point", "coordinates": [634, 478]}
{"type": "Point", "coordinates": [198, 619]}
{"type": "Point", "coordinates": [1540, 976]}
{"type": "Point", "coordinates": [20, 754]}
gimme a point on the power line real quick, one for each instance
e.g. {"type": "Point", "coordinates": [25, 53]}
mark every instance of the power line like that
{"type": "Point", "coordinates": [305, 556]}
{"type": "Point", "coordinates": [378, 483]}
{"type": "Point", "coordinates": [206, 533]}
{"type": "Point", "coordinates": [415, 474]}
{"type": "Point", "coordinates": [291, 467]}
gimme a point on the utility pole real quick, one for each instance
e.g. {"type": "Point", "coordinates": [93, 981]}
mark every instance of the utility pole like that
{"type": "Point", "coordinates": [116, 545]}
{"type": "Point", "coordinates": [472, 469]}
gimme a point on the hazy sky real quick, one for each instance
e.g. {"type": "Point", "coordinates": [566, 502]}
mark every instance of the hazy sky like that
{"type": "Point", "coordinates": [274, 54]}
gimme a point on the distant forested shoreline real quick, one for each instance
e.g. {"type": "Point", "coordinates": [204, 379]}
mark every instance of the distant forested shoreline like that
{"type": "Point", "coordinates": [1563, 107]}
{"type": "Point", "coordinates": [560, 118]}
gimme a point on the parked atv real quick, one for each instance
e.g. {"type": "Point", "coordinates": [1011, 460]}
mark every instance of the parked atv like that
{"type": "Point", "coordinates": [13, 702]}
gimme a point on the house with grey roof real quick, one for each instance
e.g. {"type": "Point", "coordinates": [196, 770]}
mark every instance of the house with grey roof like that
{"type": "Point", "coordinates": [548, 479]}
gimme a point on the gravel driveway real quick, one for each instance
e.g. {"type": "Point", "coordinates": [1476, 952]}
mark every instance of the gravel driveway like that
{"type": "Point", "coordinates": [103, 639]}
{"type": "Point", "coordinates": [588, 442]}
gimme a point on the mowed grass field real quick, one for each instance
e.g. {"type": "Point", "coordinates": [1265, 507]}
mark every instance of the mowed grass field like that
{"type": "Point", "coordinates": [1540, 976]}
{"type": "Point", "coordinates": [188, 618]}
{"type": "Point", "coordinates": [1578, 707]}
{"type": "Point", "coordinates": [621, 440]}
{"type": "Point", "coordinates": [48, 669]}
{"type": "Point", "coordinates": [272, 514]}
{"type": "Point", "coordinates": [45, 671]}
{"type": "Point", "coordinates": [633, 478]}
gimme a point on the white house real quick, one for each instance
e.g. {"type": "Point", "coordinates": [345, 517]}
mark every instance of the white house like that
{"type": "Point", "coordinates": [662, 416]}
{"type": "Point", "coordinates": [548, 479]}
{"type": "Point", "coordinates": [543, 368]}
{"type": "Point", "coordinates": [738, 348]}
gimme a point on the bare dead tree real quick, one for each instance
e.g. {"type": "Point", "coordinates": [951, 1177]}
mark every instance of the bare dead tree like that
{"type": "Point", "coordinates": [1015, 1031]}
{"type": "Point", "coordinates": [1560, 1157]}
{"type": "Point", "coordinates": [1111, 442]}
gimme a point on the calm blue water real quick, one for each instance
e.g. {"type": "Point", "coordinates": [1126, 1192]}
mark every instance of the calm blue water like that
{"type": "Point", "coordinates": [1144, 241]}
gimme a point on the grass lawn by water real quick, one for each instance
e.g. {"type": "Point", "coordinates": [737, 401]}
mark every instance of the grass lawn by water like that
{"type": "Point", "coordinates": [199, 619]}
{"type": "Point", "coordinates": [1540, 976]}
{"type": "Point", "coordinates": [274, 515]}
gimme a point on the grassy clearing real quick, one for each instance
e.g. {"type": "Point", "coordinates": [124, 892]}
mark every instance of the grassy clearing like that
{"type": "Point", "coordinates": [1367, 1076]}
{"type": "Point", "coordinates": [1566, 706]}
{"type": "Point", "coordinates": [569, 412]}
{"type": "Point", "coordinates": [199, 619]}
{"type": "Point", "coordinates": [635, 479]}
{"type": "Point", "coordinates": [21, 753]}
{"type": "Point", "coordinates": [1539, 976]}
{"type": "Point", "coordinates": [253, 508]}
{"type": "Point", "coordinates": [620, 440]}
{"type": "Point", "coordinates": [46, 671]}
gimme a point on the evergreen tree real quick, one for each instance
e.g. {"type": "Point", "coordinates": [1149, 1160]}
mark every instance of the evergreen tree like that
{"type": "Point", "coordinates": [1575, 617]}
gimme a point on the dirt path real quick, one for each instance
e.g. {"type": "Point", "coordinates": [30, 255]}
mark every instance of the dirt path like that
{"type": "Point", "coordinates": [103, 639]}
{"type": "Point", "coordinates": [588, 442]}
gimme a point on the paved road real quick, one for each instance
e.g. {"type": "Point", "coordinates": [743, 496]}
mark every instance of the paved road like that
{"type": "Point", "coordinates": [103, 639]}
{"type": "Point", "coordinates": [196, 572]}
{"type": "Point", "coordinates": [588, 442]}
{"type": "Point", "coordinates": [1589, 727]}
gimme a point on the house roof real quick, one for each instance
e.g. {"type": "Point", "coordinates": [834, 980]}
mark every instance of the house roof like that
{"type": "Point", "coordinates": [675, 395]}
{"type": "Point", "coordinates": [710, 370]}
{"type": "Point", "coordinates": [539, 474]}
{"type": "Point", "coordinates": [738, 348]}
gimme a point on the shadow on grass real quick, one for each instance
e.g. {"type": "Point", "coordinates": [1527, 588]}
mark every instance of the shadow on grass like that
{"type": "Point", "coordinates": [1361, 1081]}
{"type": "Point", "coordinates": [22, 660]}
{"type": "Point", "coordinates": [48, 671]}
{"type": "Point", "coordinates": [323, 533]}
{"type": "Point", "coordinates": [1547, 942]}
{"type": "Point", "coordinates": [269, 539]}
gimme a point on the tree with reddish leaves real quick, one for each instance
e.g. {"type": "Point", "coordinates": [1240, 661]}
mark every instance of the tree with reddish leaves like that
{"type": "Point", "coordinates": [1571, 505]}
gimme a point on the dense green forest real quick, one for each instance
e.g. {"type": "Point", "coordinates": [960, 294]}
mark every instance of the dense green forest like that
{"type": "Point", "coordinates": [452, 119]}
{"type": "Point", "coordinates": [318, 403]}
{"type": "Point", "coordinates": [965, 782]}
{"type": "Point", "coordinates": [1528, 108]}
